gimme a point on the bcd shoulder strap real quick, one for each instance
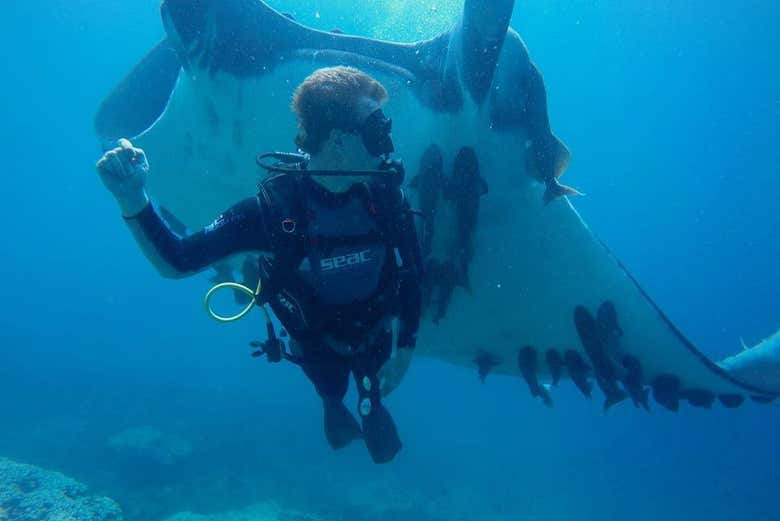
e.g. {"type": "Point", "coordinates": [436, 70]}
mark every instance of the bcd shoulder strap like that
{"type": "Point", "coordinates": [388, 205]}
{"type": "Point", "coordinates": [286, 223]}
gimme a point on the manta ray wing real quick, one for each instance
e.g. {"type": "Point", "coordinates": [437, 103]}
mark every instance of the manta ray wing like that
{"type": "Point", "coordinates": [545, 297]}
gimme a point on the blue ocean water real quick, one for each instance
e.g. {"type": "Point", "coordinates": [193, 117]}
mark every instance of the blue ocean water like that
{"type": "Point", "coordinates": [671, 111]}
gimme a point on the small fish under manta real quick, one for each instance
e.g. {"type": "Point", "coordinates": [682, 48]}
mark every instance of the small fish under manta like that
{"type": "Point", "coordinates": [526, 288]}
{"type": "Point", "coordinates": [448, 266]}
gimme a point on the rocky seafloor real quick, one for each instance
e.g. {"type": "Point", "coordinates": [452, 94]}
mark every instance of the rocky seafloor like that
{"type": "Point", "coordinates": [29, 493]}
{"type": "Point", "coordinates": [260, 512]}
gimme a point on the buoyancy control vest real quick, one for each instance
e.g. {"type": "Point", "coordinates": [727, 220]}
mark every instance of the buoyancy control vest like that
{"type": "Point", "coordinates": [334, 262]}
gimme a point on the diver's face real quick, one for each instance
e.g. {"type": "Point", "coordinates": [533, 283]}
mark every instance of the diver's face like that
{"type": "Point", "coordinates": [345, 150]}
{"type": "Point", "coordinates": [361, 145]}
{"type": "Point", "coordinates": [342, 151]}
{"type": "Point", "coordinates": [358, 148]}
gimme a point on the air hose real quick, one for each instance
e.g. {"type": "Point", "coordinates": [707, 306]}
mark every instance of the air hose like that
{"type": "Point", "coordinates": [240, 288]}
{"type": "Point", "coordinates": [273, 348]}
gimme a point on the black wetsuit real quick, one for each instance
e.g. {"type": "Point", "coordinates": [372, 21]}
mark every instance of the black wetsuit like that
{"type": "Point", "coordinates": [336, 267]}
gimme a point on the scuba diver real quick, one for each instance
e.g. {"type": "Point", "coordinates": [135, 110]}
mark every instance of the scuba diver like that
{"type": "Point", "coordinates": [339, 254]}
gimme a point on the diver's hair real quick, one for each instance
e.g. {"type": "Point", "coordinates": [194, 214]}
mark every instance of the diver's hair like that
{"type": "Point", "coordinates": [330, 99]}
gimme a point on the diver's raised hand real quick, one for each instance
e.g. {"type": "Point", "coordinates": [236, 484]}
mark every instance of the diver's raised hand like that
{"type": "Point", "coordinates": [393, 371]}
{"type": "Point", "coordinates": [124, 171]}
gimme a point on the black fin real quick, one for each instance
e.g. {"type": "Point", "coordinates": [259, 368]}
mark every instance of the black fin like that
{"type": "Point", "coordinates": [381, 434]}
{"type": "Point", "coordinates": [341, 428]}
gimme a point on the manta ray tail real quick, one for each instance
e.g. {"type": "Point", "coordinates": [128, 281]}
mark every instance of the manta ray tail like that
{"type": "Point", "coordinates": [555, 190]}
{"type": "Point", "coordinates": [140, 99]}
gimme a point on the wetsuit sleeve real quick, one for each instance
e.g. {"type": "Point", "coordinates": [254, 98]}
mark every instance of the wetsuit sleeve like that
{"type": "Point", "coordinates": [410, 296]}
{"type": "Point", "coordinates": [239, 229]}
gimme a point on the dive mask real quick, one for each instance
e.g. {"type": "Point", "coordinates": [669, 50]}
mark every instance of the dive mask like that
{"type": "Point", "coordinates": [375, 132]}
{"type": "Point", "coordinates": [388, 170]}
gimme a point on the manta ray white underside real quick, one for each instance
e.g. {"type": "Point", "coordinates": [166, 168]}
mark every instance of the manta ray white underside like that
{"type": "Point", "coordinates": [547, 299]}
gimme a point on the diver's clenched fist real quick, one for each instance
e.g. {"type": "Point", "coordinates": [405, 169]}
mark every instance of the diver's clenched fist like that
{"type": "Point", "coordinates": [124, 171]}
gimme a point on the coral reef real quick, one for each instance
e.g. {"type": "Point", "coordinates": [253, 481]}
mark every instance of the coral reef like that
{"type": "Point", "coordinates": [33, 494]}
{"type": "Point", "coordinates": [148, 442]}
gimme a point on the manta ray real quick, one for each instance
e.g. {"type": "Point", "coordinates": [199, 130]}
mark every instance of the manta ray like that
{"type": "Point", "coordinates": [515, 283]}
